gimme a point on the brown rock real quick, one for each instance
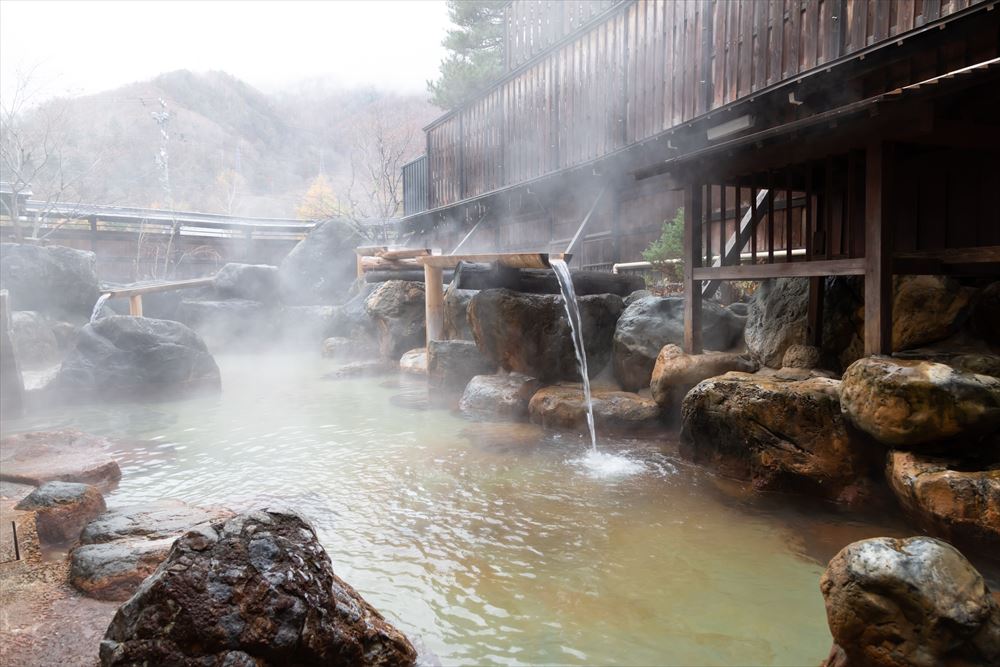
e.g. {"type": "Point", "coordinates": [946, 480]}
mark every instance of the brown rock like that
{"type": "Point", "coordinates": [66, 456]}
{"type": "Point", "coordinates": [783, 435]}
{"type": "Point", "coordinates": [801, 356]}
{"type": "Point", "coordinates": [947, 498]}
{"type": "Point", "coordinates": [909, 603]}
{"type": "Point", "coordinates": [62, 509]}
{"type": "Point", "coordinates": [414, 361]}
{"type": "Point", "coordinates": [502, 396]}
{"type": "Point", "coordinates": [397, 308]}
{"type": "Point", "coordinates": [915, 405]}
{"type": "Point", "coordinates": [563, 406]}
{"type": "Point", "coordinates": [927, 309]}
{"type": "Point", "coordinates": [258, 590]}
{"type": "Point", "coordinates": [676, 372]}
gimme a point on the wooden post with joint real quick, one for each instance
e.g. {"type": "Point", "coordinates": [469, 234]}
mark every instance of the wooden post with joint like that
{"type": "Point", "coordinates": [878, 250]}
{"type": "Point", "coordinates": [692, 259]}
{"type": "Point", "coordinates": [135, 305]}
{"type": "Point", "coordinates": [434, 301]}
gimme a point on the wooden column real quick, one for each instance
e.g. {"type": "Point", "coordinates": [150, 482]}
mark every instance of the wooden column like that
{"type": "Point", "coordinates": [11, 381]}
{"type": "Point", "coordinates": [692, 260]}
{"type": "Point", "coordinates": [135, 305]}
{"type": "Point", "coordinates": [878, 251]}
{"type": "Point", "coordinates": [434, 302]}
{"type": "Point", "coordinates": [815, 311]}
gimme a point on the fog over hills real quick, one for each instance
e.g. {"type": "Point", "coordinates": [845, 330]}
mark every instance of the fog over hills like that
{"type": "Point", "coordinates": [229, 147]}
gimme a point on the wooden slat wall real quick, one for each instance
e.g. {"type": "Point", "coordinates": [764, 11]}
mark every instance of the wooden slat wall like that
{"type": "Point", "coordinates": [645, 69]}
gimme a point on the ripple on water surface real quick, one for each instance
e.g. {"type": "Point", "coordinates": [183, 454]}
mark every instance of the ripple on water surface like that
{"type": "Point", "coordinates": [488, 548]}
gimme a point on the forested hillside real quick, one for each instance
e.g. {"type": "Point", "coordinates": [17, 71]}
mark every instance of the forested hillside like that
{"type": "Point", "coordinates": [210, 142]}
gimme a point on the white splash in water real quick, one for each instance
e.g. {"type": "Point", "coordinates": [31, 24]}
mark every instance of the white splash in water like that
{"type": "Point", "coordinates": [602, 465]}
{"type": "Point", "coordinates": [576, 327]}
{"type": "Point", "coordinates": [96, 313]}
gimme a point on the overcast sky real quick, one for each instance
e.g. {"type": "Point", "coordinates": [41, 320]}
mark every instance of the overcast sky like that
{"type": "Point", "coordinates": [84, 47]}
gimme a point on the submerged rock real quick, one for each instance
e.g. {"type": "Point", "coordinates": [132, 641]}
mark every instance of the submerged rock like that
{"type": "Point", "coordinates": [414, 361]}
{"type": "Point", "coordinates": [54, 280]}
{"type": "Point", "coordinates": [913, 404]}
{"type": "Point", "coordinates": [652, 322]}
{"type": "Point", "coordinates": [452, 363]}
{"type": "Point", "coordinates": [948, 498]}
{"type": "Point", "coordinates": [397, 308]}
{"type": "Point", "coordinates": [35, 343]}
{"type": "Point", "coordinates": [529, 333]}
{"type": "Point", "coordinates": [66, 456]}
{"type": "Point", "coordinates": [676, 372]}
{"type": "Point", "coordinates": [362, 368]}
{"type": "Point", "coordinates": [909, 603]}
{"type": "Point", "coordinates": [62, 509]}
{"type": "Point", "coordinates": [348, 348]}
{"type": "Point", "coordinates": [501, 396]}
{"type": "Point", "coordinates": [563, 406]}
{"type": "Point", "coordinates": [783, 435]}
{"type": "Point", "coordinates": [124, 546]}
{"type": "Point", "coordinates": [258, 590]}
{"type": "Point", "coordinates": [255, 282]}
{"type": "Point", "coordinates": [319, 269]}
{"type": "Point", "coordinates": [135, 358]}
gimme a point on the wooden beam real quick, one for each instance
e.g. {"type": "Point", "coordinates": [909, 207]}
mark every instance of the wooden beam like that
{"type": "Point", "coordinates": [158, 287]}
{"type": "Point", "coordinates": [833, 267]}
{"type": "Point", "coordinates": [692, 260]}
{"type": "Point", "coordinates": [434, 302]}
{"type": "Point", "coordinates": [746, 228]}
{"type": "Point", "coordinates": [878, 247]}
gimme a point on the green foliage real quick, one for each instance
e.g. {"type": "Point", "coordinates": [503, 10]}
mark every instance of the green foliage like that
{"type": "Point", "coordinates": [475, 51]}
{"type": "Point", "coordinates": [670, 245]}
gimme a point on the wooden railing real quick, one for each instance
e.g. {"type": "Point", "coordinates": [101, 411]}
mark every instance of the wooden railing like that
{"type": "Point", "coordinates": [646, 67]}
{"type": "Point", "coordinates": [415, 186]}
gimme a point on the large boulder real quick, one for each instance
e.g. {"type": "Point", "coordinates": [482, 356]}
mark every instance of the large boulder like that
{"type": "Point", "coordinates": [68, 455]}
{"type": "Point", "coordinates": [921, 405]}
{"type": "Point", "coordinates": [232, 323]}
{"type": "Point", "coordinates": [256, 282]}
{"type": "Point", "coordinates": [530, 334]}
{"type": "Point", "coordinates": [778, 319]}
{"type": "Point", "coordinates": [676, 372]}
{"type": "Point", "coordinates": [397, 308]}
{"type": "Point", "coordinates": [563, 406]}
{"type": "Point", "coordinates": [54, 280]}
{"type": "Point", "coordinates": [501, 396]}
{"type": "Point", "coordinates": [414, 361]}
{"type": "Point", "coordinates": [652, 322]}
{"type": "Point", "coordinates": [122, 547]}
{"type": "Point", "coordinates": [62, 509]}
{"type": "Point", "coordinates": [452, 363]}
{"type": "Point", "coordinates": [956, 500]}
{"type": "Point", "coordinates": [136, 358]}
{"type": "Point", "coordinates": [456, 312]}
{"type": "Point", "coordinates": [257, 589]}
{"type": "Point", "coordinates": [351, 319]}
{"type": "Point", "coordinates": [35, 343]}
{"type": "Point", "coordinates": [783, 435]}
{"type": "Point", "coordinates": [914, 602]}
{"type": "Point", "coordinates": [926, 309]}
{"type": "Point", "coordinates": [321, 267]}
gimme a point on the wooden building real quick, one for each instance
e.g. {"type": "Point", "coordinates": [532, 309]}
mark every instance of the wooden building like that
{"type": "Point", "coordinates": [802, 137]}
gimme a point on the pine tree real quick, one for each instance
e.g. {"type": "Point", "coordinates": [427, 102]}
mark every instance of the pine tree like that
{"type": "Point", "coordinates": [475, 51]}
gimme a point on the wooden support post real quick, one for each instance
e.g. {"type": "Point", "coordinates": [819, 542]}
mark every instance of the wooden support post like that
{"type": "Point", "coordinates": [434, 302]}
{"type": "Point", "coordinates": [815, 311]}
{"type": "Point", "coordinates": [135, 305]}
{"type": "Point", "coordinates": [878, 249]}
{"type": "Point", "coordinates": [93, 232]}
{"type": "Point", "coordinates": [692, 259]}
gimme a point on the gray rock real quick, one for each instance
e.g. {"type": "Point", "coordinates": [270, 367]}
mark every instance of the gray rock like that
{"type": "Point", "coordinates": [801, 356]}
{"type": "Point", "coordinates": [739, 308]}
{"type": "Point", "coordinates": [635, 296]}
{"type": "Point", "coordinates": [68, 456]}
{"type": "Point", "coordinates": [364, 368]}
{"type": "Point", "coordinates": [54, 280]}
{"type": "Point", "coordinates": [397, 308]}
{"type": "Point", "coordinates": [255, 590]}
{"type": "Point", "coordinates": [530, 334]}
{"type": "Point", "coordinates": [452, 363]}
{"type": "Point", "coordinates": [135, 358]}
{"type": "Point", "coordinates": [500, 396]}
{"type": "Point", "coordinates": [351, 320]}
{"type": "Point", "coordinates": [319, 270]}
{"type": "Point", "coordinates": [414, 361]}
{"type": "Point", "coordinates": [652, 322]}
{"type": "Point", "coordinates": [348, 349]}
{"type": "Point", "coordinates": [34, 342]}
{"type": "Point", "coordinates": [232, 323]}
{"type": "Point", "coordinates": [62, 509]}
{"type": "Point", "coordinates": [149, 521]}
{"type": "Point", "coordinates": [255, 282]}
{"type": "Point", "coordinates": [456, 312]}
{"type": "Point", "coordinates": [915, 602]}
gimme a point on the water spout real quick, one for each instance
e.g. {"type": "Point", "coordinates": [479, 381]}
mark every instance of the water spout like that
{"type": "Point", "coordinates": [576, 327]}
{"type": "Point", "coordinates": [96, 313]}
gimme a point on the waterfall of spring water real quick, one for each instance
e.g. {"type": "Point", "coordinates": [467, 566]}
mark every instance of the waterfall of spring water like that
{"type": "Point", "coordinates": [94, 314]}
{"type": "Point", "coordinates": [576, 326]}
